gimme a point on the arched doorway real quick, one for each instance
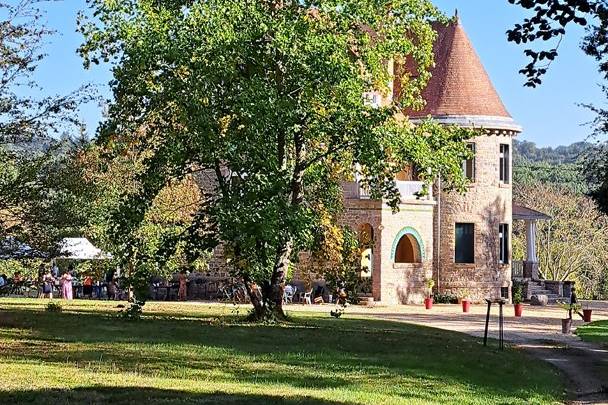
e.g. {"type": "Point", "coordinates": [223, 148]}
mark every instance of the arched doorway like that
{"type": "Point", "coordinates": [408, 247]}
{"type": "Point", "coordinates": [366, 242]}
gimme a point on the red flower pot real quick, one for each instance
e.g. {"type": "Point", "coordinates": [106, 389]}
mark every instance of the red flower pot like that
{"type": "Point", "coordinates": [518, 309]}
{"type": "Point", "coordinates": [428, 303]}
{"type": "Point", "coordinates": [466, 305]}
{"type": "Point", "coordinates": [587, 315]}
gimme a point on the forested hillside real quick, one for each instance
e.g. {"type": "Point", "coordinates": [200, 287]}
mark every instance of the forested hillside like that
{"type": "Point", "coordinates": [555, 166]}
{"type": "Point", "coordinates": [559, 155]}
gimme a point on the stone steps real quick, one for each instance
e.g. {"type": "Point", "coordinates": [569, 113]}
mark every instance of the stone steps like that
{"type": "Point", "coordinates": [539, 289]}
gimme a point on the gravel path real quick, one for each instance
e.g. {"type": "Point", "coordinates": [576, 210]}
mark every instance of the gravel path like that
{"type": "Point", "coordinates": [537, 332]}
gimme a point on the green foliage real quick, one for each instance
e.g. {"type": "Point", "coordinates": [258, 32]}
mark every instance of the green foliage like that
{"type": "Point", "coordinates": [518, 291]}
{"type": "Point", "coordinates": [264, 101]}
{"type": "Point", "coordinates": [430, 283]}
{"type": "Point", "coordinates": [342, 264]}
{"type": "Point", "coordinates": [574, 243]}
{"type": "Point", "coordinates": [133, 311]}
{"type": "Point", "coordinates": [445, 298]}
{"type": "Point", "coordinates": [27, 268]}
{"type": "Point", "coordinates": [53, 306]}
{"type": "Point", "coordinates": [549, 22]}
{"type": "Point", "coordinates": [570, 308]}
{"type": "Point", "coordinates": [561, 166]}
{"type": "Point", "coordinates": [596, 161]}
{"type": "Point", "coordinates": [528, 151]}
{"type": "Point", "coordinates": [42, 194]}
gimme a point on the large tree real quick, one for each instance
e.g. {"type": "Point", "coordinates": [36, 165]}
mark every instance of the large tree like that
{"type": "Point", "coordinates": [23, 116]}
{"type": "Point", "coordinates": [264, 101]}
{"type": "Point", "coordinates": [42, 194]}
{"type": "Point", "coordinates": [38, 175]}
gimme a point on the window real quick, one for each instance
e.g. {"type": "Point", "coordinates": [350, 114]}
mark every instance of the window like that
{"type": "Point", "coordinates": [408, 250]}
{"type": "Point", "coordinates": [503, 237]}
{"type": "Point", "coordinates": [505, 160]}
{"type": "Point", "coordinates": [468, 166]}
{"type": "Point", "coordinates": [465, 242]}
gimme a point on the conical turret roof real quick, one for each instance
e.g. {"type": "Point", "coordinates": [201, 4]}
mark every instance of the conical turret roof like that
{"type": "Point", "coordinates": [460, 90]}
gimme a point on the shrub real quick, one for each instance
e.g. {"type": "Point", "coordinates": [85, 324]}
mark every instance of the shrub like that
{"type": "Point", "coordinates": [53, 307]}
{"type": "Point", "coordinates": [445, 298]}
{"type": "Point", "coordinates": [518, 294]}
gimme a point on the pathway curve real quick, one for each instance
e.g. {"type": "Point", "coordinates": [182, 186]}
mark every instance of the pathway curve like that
{"type": "Point", "coordinates": [538, 332]}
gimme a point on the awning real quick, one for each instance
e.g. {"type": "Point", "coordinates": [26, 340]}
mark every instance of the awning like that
{"type": "Point", "coordinates": [528, 214]}
{"type": "Point", "coordinates": [80, 249]}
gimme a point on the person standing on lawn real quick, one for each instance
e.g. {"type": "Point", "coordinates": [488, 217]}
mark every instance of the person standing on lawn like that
{"type": "Point", "coordinates": [48, 281]}
{"type": "Point", "coordinates": [66, 286]}
{"type": "Point", "coordinates": [87, 287]}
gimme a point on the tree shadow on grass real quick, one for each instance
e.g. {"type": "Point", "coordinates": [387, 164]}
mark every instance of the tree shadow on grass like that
{"type": "Point", "coordinates": [312, 352]}
{"type": "Point", "coordinates": [148, 396]}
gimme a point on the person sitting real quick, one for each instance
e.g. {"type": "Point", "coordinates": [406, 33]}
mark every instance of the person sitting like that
{"type": "Point", "coordinates": [288, 293]}
{"type": "Point", "coordinates": [318, 295]}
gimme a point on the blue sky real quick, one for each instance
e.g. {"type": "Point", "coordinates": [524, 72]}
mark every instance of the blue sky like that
{"type": "Point", "coordinates": [549, 114]}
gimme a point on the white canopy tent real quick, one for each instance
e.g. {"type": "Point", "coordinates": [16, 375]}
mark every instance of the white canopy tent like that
{"type": "Point", "coordinates": [80, 249]}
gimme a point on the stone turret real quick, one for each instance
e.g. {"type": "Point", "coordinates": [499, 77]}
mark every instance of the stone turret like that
{"type": "Point", "coordinates": [472, 234]}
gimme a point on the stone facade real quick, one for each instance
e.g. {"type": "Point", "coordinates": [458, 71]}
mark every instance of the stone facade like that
{"type": "Point", "coordinates": [487, 204]}
{"type": "Point", "coordinates": [396, 283]}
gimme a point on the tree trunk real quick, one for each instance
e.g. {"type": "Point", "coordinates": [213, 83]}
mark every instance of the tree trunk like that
{"type": "Point", "coordinates": [259, 308]}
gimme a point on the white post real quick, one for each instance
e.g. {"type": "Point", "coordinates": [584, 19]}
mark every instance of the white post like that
{"type": "Point", "coordinates": [531, 241]}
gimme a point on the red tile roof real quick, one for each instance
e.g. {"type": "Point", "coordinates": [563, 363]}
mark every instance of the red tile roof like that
{"type": "Point", "coordinates": [460, 86]}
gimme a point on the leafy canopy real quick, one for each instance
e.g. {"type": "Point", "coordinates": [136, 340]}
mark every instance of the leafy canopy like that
{"type": "Point", "coordinates": [549, 21]}
{"type": "Point", "coordinates": [264, 102]}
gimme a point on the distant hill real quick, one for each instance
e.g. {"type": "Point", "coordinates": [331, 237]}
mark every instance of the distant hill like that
{"type": "Point", "coordinates": [558, 166]}
{"type": "Point", "coordinates": [561, 154]}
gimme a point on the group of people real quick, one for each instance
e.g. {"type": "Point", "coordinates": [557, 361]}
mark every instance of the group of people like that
{"type": "Point", "coordinates": [48, 278]}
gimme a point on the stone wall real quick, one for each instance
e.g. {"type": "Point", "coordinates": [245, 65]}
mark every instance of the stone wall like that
{"type": "Point", "coordinates": [487, 204]}
{"type": "Point", "coordinates": [395, 283]}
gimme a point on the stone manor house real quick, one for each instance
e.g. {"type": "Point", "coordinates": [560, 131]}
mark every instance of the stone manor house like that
{"type": "Point", "coordinates": [462, 241]}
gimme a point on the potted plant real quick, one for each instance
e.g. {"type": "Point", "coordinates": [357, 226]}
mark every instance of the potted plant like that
{"type": "Point", "coordinates": [517, 300]}
{"type": "Point", "coordinates": [465, 298]}
{"type": "Point", "coordinates": [587, 314]}
{"type": "Point", "coordinates": [567, 322]}
{"type": "Point", "coordinates": [428, 301]}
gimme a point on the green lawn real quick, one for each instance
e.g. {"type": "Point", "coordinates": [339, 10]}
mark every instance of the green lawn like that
{"type": "Point", "coordinates": [206, 354]}
{"type": "Point", "coordinates": [594, 332]}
